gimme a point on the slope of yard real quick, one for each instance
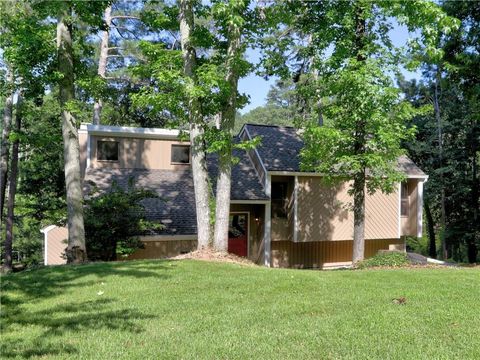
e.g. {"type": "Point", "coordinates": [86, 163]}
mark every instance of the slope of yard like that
{"type": "Point", "coordinates": [194, 309]}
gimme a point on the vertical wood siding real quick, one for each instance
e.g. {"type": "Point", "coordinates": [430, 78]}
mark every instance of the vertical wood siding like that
{"type": "Point", "coordinates": [323, 212]}
{"type": "Point", "coordinates": [163, 249]}
{"type": "Point", "coordinates": [56, 245]}
{"type": "Point", "coordinates": [137, 153]}
{"type": "Point", "coordinates": [320, 254]}
{"type": "Point", "coordinates": [409, 223]}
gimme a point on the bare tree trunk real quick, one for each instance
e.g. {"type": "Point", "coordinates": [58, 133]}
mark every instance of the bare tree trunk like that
{"type": "Point", "coordinates": [7, 123]}
{"type": "Point", "coordinates": [222, 208]}
{"type": "Point", "coordinates": [432, 247]}
{"type": "Point", "coordinates": [436, 106]}
{"type": "Point", "coordinates": [102, 63]}
{"type": "Point", "coordinates": [358, 218]}
{"type": "Point", "coordinates": [76, 251]}
{"type": "Point", "coordinates": [199, 163]}
{"type": "Point", "coordinates": [12, 190]}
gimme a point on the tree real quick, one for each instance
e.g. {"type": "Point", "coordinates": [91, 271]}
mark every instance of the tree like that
{"type": "Point", "coordinates": [113, 221]}
{"type": "Point", "coordinates": [102, 62]}
{"type": "Point", "coordinates": [25, 55]}
{"type": "Point", "coordinates": [348, 46]}
{"type": "Point", "coordinates": [196, 131]}
{"type": "Point", "coordinates": [7, 123]}
{"type": "Point", "coordinates": [76, 251]}
{"type": "Point", "coordinates": [232, 19]}
{"type": "Point", "coordinates": [12, 188]}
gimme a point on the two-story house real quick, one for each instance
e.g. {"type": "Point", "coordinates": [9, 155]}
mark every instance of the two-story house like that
{"type": "Point", "coordinates": [280, 215]}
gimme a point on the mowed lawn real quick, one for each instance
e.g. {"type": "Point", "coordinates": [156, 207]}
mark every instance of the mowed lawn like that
{"type": "Point", "coordinates": [200, 310]}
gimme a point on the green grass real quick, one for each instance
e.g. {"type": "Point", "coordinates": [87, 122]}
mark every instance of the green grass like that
{"type": "Point", "coordinates": [191, 309]}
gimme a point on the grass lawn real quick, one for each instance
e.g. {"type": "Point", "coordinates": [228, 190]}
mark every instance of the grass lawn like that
{"type": "Point", "coordinates": [193, 309]}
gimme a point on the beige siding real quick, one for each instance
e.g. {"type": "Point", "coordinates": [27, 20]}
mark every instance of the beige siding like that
{"type": "Point", "coordinates": [56, 243]}
{"type": "Point", "coordinates": [409, 223]}
{"type": "Point", "coordinates": [323, 212]}
{"type": "Point", "coordinates": [137, 153]}
{"type": "Point", "coordinates": [157, 248]}
{"type": "Point", "coordinates": [83, 139]}
{"type": "Point", "coordinates": [320, 254]}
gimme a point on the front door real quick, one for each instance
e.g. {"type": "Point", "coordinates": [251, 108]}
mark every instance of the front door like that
{"type": "Point", "coordinates": [238, 234]}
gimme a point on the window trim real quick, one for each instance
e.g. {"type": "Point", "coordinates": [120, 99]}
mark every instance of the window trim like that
{"type": "Point", "coordinates": [106, 141]}
{"type": "Point", "coordinates": [180, 163]}
{"type": "Point", "coordinates": [406, 198]}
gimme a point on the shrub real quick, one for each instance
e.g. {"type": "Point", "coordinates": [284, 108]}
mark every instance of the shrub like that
{"type": "Point", "coordinates": [393, 259]}
{"type": "Point", "coordinates": [113, 221]}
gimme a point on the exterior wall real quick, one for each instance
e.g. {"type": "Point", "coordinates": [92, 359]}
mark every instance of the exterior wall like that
{"type": "Point", "coordinates": [83, 142]}
{"type": "Point", "coordinates": [55, 245]}
{"type": "Point", "coordinates": [157, 247]}
{"type": "Point", "coordinates": [321, 254]}
{"type": "Point", "coordinates": [137, 153]}
{"type": "Point", "coordinates": [323, 214]}
{"type": "Point", "coordinates": [409, 222]}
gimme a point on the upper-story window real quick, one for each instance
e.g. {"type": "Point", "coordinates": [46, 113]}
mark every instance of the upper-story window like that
{"type": "Point", "coordinates": [107, 150]}
{"type": "Point", "coordinates": [404, 199]}
{"type": "Point", "coordinates": [180, 154]}
{"type": "Point", "coordinates": [279, 199]}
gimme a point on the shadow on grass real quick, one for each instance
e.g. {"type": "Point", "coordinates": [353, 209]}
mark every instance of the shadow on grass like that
{"type": "Point", "coordinates": [36, 333]}
{"type": "Point", "coordinates": [52, 281]}
{"type": "Point", "coordinates": [55, 321]}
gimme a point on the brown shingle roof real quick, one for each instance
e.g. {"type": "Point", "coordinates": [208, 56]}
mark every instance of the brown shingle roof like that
{"type": "Point", "coordinates": [175, 207]}
{"type": "Point", "coordinates": [281, 146]}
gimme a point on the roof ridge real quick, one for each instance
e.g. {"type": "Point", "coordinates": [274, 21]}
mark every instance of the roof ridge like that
{"type": "Point", "coordinates": [271, 126]}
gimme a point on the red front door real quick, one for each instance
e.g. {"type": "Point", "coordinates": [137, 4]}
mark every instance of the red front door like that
{"type": "Point", "coordinates": [238, 234]}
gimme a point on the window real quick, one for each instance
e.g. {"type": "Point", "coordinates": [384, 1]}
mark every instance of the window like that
{"type": "Point", "coordinates": [404, 199]}
{"type": "Point", "coordinates": [279, 199]}
{"type": "Point", "coordinates": [180, 154]}
{"type": "Point", "coordinates": [107, 150]}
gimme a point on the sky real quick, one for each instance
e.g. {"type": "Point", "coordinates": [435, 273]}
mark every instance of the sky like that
{"type": "Point", "coordinates": [257, 87]}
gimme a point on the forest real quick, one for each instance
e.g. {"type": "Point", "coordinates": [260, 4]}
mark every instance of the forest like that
{"type": "Point", "coordinates": [177, 64]}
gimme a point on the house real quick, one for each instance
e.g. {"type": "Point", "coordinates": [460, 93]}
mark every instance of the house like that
{"type": "Point", "coordinates": [280, 216]}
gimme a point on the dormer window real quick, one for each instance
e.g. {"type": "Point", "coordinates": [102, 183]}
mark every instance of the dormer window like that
{"type": "Point", "coordinates": [180, 154]}
{"type": "Point", "coordinates": [107, 150]}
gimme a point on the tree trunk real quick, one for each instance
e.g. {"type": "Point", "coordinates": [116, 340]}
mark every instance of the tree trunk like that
{"type": "Point", "coordinates": [5, 145]}
{"type": "Point", "coordinates": [222, 208]}
{"type": "Point", "coordinates": [432, 247]}
{"type": "Point", "coordinates": [12, 190]}
{"type": "Point", "coordinates": [436, 106]}
{"type": "Point", "coordinates": [199, 163]}
{"type": "Point", "coordinates": [76, 252]}
{"type": "Point", "coordinates": [358, 218]}
{"type": "Point", "coordinates": [359, 179]}
{"type": "Point", "coordinates": [102, 63]}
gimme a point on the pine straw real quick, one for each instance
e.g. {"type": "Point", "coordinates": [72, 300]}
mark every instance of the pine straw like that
{"type": "Point", "coordinates": [212, 255]}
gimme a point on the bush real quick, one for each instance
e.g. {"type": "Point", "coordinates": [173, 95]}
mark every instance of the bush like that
{"type": "Point", "coordinates": [113, 221]}
{"type": "Point", "coordinates": [393, 259]}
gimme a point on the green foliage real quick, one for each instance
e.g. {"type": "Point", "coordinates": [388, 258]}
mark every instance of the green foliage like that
{"type": "Point", "coordinates": [113, 221]}
{"type": "Point", "coordinates": [389, 259]}
{"type": "Point", "coordinates": [282, 107]}
{"type": "Point", "coordinates": [359, 93]}
{"type": "Point", "coordinates": [418, 245]}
